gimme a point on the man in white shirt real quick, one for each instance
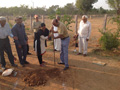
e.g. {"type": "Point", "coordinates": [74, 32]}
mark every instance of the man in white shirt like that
{"type": "Point", "coordinates": [57, 42]}
{"type": "Point", "coordinates": [5, 31]}
{"type": "Point", "coordinates": [84, 34]}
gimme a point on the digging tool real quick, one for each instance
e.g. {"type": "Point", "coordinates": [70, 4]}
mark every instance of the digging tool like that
{"type": "Point", "coordinates": [53, 44]}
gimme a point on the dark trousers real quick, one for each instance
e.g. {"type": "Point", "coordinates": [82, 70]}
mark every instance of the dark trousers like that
{"type": "Point", "coordinates": [22, 53]}
{"type": "Point", "coordinates": [5, 45]}
{"type": "Point", "coordinates": [27, 48]}
{"type": "Point", "coordinates": [34, 40]}
{"type": "Point", "coordinates": [39, 58]}
{"type": "Point", "coordinates": [6, 52]}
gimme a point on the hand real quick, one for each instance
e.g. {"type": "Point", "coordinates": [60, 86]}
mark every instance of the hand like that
{"type": "Point", "coordinates": [87, 39]}
{"type": "Point", "coordinates": [26, 42]}
{"type": "Point", "coordinates": [15, 38]}
{"type": "Point", "coordinates": [19, 46]}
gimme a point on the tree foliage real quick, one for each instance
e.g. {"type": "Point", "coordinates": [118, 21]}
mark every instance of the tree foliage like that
{"type": "Point", "coordinates": [69, 8]}
{"type": "Point", "coordinates": [85, 5]}
{"type": "Point", "coordinates": [115, 4]}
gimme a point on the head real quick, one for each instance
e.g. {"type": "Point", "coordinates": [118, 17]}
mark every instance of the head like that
{"type": "Point", "coordinates": [55, 22]}
{"type": "Point", "coordinates": [43, 26]}
{"type": "Point", "coordinates": [2, 21]}
{"type": "Point", "coordinates": [84, 18]}
{"type": "Point", "coordinates": [36, 18]}
{"type": "Point", "coordinates": [58, 18]}
{"type": "Point", "coordinates": [18, 20]}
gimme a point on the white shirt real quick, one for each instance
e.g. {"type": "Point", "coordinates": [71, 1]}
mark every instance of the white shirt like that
{"type": "Point", "coordinates": [84, 29]}
{"type": "Point", "coordinates": [5, 31]}
{"type": "Point", "coordinates": [55, 29]}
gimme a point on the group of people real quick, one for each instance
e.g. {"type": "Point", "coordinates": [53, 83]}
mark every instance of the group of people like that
{"type": "Point", "coordinates": [58, 31]}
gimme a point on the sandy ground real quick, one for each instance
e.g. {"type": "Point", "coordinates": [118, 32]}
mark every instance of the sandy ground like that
{"type": "Point", "coordinates": [82, 75]}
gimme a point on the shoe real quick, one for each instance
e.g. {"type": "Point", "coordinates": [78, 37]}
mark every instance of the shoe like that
{"type": "Point", "coordinates": [84, 55]}
{"type": "Point", "coordinates": [22, 65]}
{"type": "Point", "coordinates": [26, 62]}
{"type": "Point", "coordinates": [79, 53]}
{"type": "Point", "coordinates": [75, 50]}
{"type": "Point", "coordinates": [66, 68]}
{"type": "Point", "coordinates": [14, 65]}
{"type": "Point", "coordinates": [3, 68]}
{"type": "Point", "coordinates": [42, 65]}
{"type": "Point", "coordinates": [55, 50]}
{"type": "Point", "coordinates": [29, 53]}
{"type": "Point", "coordinates": [61, 63]}
{"type": "Point", "coordinates": [44, 62]}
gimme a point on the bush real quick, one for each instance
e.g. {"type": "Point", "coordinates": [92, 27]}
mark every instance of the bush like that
{"type": "Point", "coordinates": [109, 40]}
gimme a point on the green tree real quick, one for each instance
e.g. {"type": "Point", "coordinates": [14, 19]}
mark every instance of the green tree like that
{"type": "Point", "coordinates": [52, 9]}
{"type": "Point", "coordinates": [70, 8]}
{"type": "Point", "coordinates": [115, 4]}
{"type": "Point", "coordinates": [85, 5]}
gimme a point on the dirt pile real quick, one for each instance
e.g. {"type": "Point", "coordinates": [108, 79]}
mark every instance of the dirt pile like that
{"type": "Point", "coordinates": [40, 76]}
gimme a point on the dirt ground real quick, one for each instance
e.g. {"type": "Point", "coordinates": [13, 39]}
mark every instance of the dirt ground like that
{"type": "Point", "coordinates": [82, 75]}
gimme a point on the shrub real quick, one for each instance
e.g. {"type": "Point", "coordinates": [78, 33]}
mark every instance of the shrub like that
{"type": "Point", "coordinates": [109, 40]}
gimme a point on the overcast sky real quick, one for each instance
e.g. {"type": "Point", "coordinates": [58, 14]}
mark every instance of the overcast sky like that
{"type": "Point", "coordinates": [47, 3]}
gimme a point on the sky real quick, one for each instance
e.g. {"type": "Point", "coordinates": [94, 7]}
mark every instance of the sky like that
{"type": "Point", "coordinates": [46, 3]}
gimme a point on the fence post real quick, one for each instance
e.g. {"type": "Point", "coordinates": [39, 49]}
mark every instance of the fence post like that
{"type": "Point", "coordinates": [76, 22]}
{"type": "Point", "coordinates": [31, 23]}
{"type": "Point", "coordinates": [105, 22]}
{"type": "Point", "coordinates": [7, 19]}
{"type": "Point", "coordinates": [90, 16]}
{"type": "Point", "coordinates": [43, 20]}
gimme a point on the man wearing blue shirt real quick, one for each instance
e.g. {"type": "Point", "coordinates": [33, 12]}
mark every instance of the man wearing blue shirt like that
{"type": "Point", "coordinates": [5, 31]}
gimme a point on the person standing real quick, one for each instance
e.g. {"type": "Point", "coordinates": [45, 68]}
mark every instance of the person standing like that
{"type": "Point", "coordinates": [36, 27]}
{"type": "Point", "coordinates": [5, 31]}
{"type": "Point", "coordinates": [41, 37]}
{"type": "Point", "coordinates": [63, 34]}
{"type": "Point", "coordinates": [57, 42]}
{"type": "Point", "coordinates": [84, 34]}
{"type": "Point", "coordinates": [18, 31]}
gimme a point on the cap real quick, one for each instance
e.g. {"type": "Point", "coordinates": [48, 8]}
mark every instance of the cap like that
{"type": "Point", "coordinates": [2, 18]}
{"type": "Point", "coordinates": [85, 16]}
{"type": "Point", "coordinates": [35, 16]}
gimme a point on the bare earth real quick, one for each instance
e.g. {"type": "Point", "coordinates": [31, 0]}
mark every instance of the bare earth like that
{"type": "Point", "coordinates": [82, 75]}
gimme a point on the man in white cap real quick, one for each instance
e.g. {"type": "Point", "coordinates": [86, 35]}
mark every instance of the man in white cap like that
{"type": "Point", "coordinates": [36, 27]}
{"type": "Point", "coordinates": [84, 34]}
{"type": "Point", "coordinates": [5, 31]}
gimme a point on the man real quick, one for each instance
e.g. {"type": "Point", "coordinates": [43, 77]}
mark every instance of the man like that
{"type": "Point", "coordinates": [18, 31]}
{"type": "Point", "coordinates": [36, 27]}
{"type": "Point", "coordinates": [63, 34]}
{"type": "Point", "coordinates": [57, 42]}
{"type": "Point", "coordinates": [5, 31]}
{"type": "Point", "coordinates": [41, 36]}
{"type": "Point", "coordinates": [83, 35]}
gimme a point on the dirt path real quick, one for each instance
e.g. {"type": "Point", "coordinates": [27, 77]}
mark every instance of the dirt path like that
{"type": "Point", "coordinates": [82, 75]}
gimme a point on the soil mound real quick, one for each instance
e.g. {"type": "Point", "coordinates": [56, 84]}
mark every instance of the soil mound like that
{"type": "Point", "coordinates": [41, 76]}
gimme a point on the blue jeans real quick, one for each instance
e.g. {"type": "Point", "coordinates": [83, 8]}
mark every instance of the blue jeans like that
{"type": "Point", "coordinates": [64, 51]}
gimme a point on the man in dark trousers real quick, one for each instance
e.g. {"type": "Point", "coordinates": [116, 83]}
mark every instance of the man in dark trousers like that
{"type": "Point", "coordinates": [5, 31]}
{"type": "Point", "coordinates": [18, 31]}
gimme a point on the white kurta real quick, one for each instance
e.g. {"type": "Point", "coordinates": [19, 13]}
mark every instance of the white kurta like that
{"type": "Point", "coordinates": [84, 33]}
{"type": "Point", "coordinates": [57, 42]}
